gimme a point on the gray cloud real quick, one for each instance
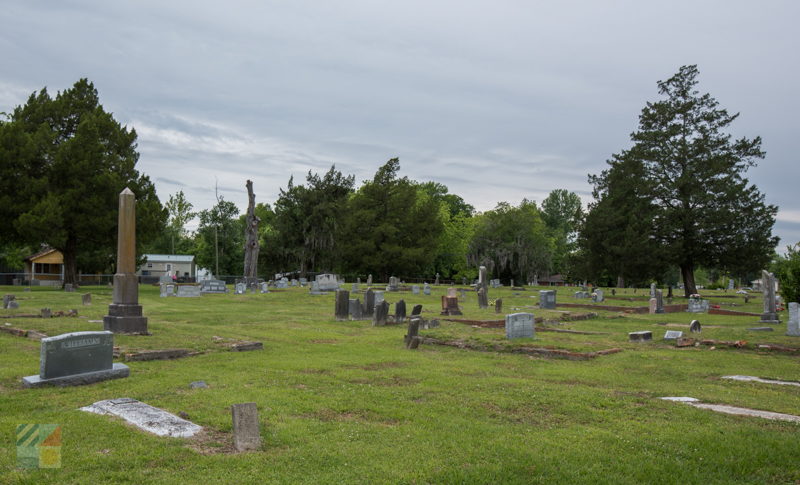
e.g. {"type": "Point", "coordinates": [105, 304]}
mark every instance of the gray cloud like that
{"type": "Point", "coordinates": [498, 100]}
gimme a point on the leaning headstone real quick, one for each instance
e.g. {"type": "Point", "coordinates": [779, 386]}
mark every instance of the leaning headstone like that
{"type": "Point", "coordinates": [498, 305]}
{"type": "Point", "coordinates": [412, 339]}
{"type": "Point", "coordinates": [695, 327]}
{"type": "Point", "coordinates": [86, 298]}
{"type": "Point", "coordinates": [400, 311]}
{"type": "Point", "coordinates": [76, 358]}
{"type": "Point", "coordinates": [342, 308]}
{"type": "Point", "coordinates": [125, 313]}
{"type": "Point", "coordinates": [355, 309]}
{"type": "Point", "coordinates": [483, 298]}
{"type": "Point", "coordinates": [640, 336]}
{"type": "Point", "coordinates": [426, 289]}
{"type": "Point", "coordinates": [547, 299]}
{"type": "Point", "coordinates": [673, 335]}
{"type": "Point", "coordinates": [379, 297]}
{"type": "Point", "coordinates": [46, 313]}
{"type": "Point", "coordinates": [519, 325]}
{"type": "Point", "coordinates": [415, 290]}
{"type": "Point", "coordinates": [417, 310]}
{"type": "Point", "coordinates": [381, 314]}
{"type": "Point", "coordinates": [369, 303]}
{"type": "Point", "coordinates": [770, 314]}
{"type": "Point", "coordinates": [246, 431]}
{"type": "Point", "coordinates": [793, 326]}
{"type": "Point", "coordinates": [188, 291]}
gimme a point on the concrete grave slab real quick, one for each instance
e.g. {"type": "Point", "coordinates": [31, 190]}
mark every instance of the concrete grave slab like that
{"type": "Point", "coordinates": [764, 381]}
{"type": "Point", "coordinates": [146, 417]}
{"type": "Point", "coordinates": [722, 408]}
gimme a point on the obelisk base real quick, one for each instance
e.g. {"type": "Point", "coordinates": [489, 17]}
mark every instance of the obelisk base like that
{"type": "Point", "coordinates": [123, 318]}
{"type": "Point", "coordinates": [769, 317]}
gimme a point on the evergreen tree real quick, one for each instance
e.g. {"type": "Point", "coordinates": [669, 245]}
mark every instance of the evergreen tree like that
{"type": "Point", "coordinates": [63, 163]}
{"type": "Point", "coordinates": [706, 211]}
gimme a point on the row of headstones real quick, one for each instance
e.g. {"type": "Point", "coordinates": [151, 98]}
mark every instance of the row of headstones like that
{"type": "Point", "coordinates": [645, 335]}
{"type": "Point", "coordinates": [374, 307]}
{"type": "Point", "coordinates": [597, 295]}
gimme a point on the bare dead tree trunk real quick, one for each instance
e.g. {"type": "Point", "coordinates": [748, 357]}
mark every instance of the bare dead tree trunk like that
{"type": "Point", "coordinates": [251, 237]}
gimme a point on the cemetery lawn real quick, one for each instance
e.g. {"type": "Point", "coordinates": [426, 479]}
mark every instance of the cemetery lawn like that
{"type": "Point", "coordinates": [345, 402]}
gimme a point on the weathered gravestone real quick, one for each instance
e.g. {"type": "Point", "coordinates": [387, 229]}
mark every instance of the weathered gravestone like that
{"type": "Point", "coordinates": [673, 335]}
{"type": "Point", "coordinates": [282, 283]}
{"type": "Point", "coordinates": [519, 325]}
{"type": "Point", "coordinates": [239, 289]}
{"type": "Point", "coordinates": [369, 303]}
{"type": "Point", "coordinates": [246, 430]}
{"type": "Point", "coordinates": [451, 292]}
{"type": "Point", "coordinates": [355, 309]}
{"type": "Point", "coordinates": [68, 287]}
{"type": "Point", "coordinates": [327, 282]}
{"type": "Point", "coordinates": [16, 282]}
{"type": "Point", "coordinates": [793, 325]}
{"type": "Point", "coordinates": [462, 294]}
{"type": "Point", "coordinates": [294, 282]}
{"type": "Point", "coordinates": [659, 301]}
{"type": "Point", "coordinates": [547, 299]}
{"type": "Point", "coordinates": [7, 299]}
{"type": "Point", "coordinates": [263, 287]}
{"type": "Point", "coordinates": [369, 280]}
{"type": "Point", "coordinates": [86, 298]}
{"type": "Point", "coordinates": [652, 290]}
{"type": "Point", "coordinates": [188, 291]}
{"type": "Point", "coordinates": [394, 284]}
{"type": "Point", "coordinates": [437, 280]}
{"type": "Point", "coordinates": [417, 310]}
{"type": "Point", "coordinates": [46, 313]}
{"type": "Point", "coordinates": [379, 297]}
{"type": "Point", "coordinates": [381, 314]}
{"type": "Point", "coordinates": [304, 281]}
{"type": "Point", "coordinates": [770, 314]}
{"type": "Point", "coordinates": [640, 336]}
{"type": "Point", "coordinates": [426, 289]}
{"type": "Point", "coordinates": [412, 338]}
{"type": "Point", "coordinates": [146, 417]}
{"type": "Point", "coordinates": [415, 290]}
{"type": "Point", "coordinates": [498, 305]}
{"type": "Point", "coordinates": [13, 305]}
{"type": "Point", "coordinates": [483, 297]}
{"type": "Point", "coordinates": [314, 289]}
{"type": "Point", "coordinates": [730, 284]}
{"type": "Point", "coordinates": [598, 296]}
{"type": "Point", "coordinates": [354, 288]}
{"type": "Point", "coordinates": [125, 313]}
{"type": "Point", "coordinates": [697, 305]}
{"type": "Point", "coordinates": [400, 311]}
{"type": "Point", "coordinates": [76, 358]}
{"type": "Point", "coordinates": [162, 292]}
{"type": "Point", "coordinates": [450, 305]}
{"type": "Point", "coordinates": [342, 306]}
{"type": "Point", "coordinates": [213, 286]}
{"type": "Point", "coordinates": [695, 327]}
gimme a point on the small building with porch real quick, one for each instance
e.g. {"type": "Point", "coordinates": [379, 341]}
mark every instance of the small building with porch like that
{"type": "Point", "coordinates": [182, 266]}
{"type": "Point", "coordinates": [45, 268]}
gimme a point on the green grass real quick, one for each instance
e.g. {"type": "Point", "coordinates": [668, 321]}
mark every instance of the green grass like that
{"type": "Point", "coordinates": [343, 402]}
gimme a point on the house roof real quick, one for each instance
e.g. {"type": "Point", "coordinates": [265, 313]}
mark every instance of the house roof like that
{"type": "Point", "coordinates": [40, 254]}
{"type": "Point", "coordinates": [169, 258]}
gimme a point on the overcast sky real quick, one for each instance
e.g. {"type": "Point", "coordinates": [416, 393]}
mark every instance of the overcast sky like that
{"type": "Point", "coordinates": [498, 100]}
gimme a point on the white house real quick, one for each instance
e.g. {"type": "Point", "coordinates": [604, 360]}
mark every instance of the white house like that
{"type": "Point", "coordinates": [178, 265]}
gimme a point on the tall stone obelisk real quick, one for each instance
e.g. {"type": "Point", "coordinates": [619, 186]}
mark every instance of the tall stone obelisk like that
{"type": "Point", "coordinates": [125, 313]}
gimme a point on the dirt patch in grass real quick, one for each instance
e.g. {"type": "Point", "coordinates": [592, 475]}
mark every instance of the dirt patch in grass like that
{"type": "Point", "coordinates": [324, 341]}
{"type": "Point", "coordinates": [355, 415]}
{"type": "Point", "coordinates": [314, 371]}
{"type": "Point", "coordinates": [530, 351]}
{"type": "Point", "coordinates": [377, 366]}
{"type": "Point", "coordinates": [384, 381]}
{"type": "Point", "coordinates": [212, 442]}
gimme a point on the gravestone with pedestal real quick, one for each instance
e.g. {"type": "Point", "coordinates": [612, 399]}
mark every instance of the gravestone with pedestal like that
{"type": "Point", "coordinates": [125, 313]}
{"type": "Point", "coordinates": [770, 314]}
{"type": "Point", "coordinates": [76, 358]}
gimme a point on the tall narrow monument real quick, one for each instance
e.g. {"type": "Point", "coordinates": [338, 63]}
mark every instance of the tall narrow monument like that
{"type": "Point", "coordinates": [770, 314]}
{"type": "Point", "coordinates": [125, 313]}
